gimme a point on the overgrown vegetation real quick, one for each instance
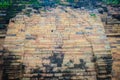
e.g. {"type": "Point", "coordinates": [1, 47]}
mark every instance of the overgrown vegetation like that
{"type": "Point", "coordinates": [114, 2]}
{"type": "Point", "coordinates": [5, 3]}
{"type": "Point", "coordinates": [41, 3]}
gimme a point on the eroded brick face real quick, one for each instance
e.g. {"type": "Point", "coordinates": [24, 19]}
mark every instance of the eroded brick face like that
{"type": "Point", "coordinates": [61, 44]}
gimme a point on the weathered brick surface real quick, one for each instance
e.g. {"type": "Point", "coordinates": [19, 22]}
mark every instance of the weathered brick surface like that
{"type": "Point", "coordinates": [61, 44]}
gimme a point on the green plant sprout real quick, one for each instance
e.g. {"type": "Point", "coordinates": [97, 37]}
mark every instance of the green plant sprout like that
{"type": "Point", "coordinates": [93, 15]}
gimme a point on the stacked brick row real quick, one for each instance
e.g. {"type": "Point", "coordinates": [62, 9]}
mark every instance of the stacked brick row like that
{"type": "Point", "coordinates": [115, 41]}
{"type": "Point", "coordinates": [13, 51]}
{"type": "Point", "coordinates": [60, 44]}
{"type": "Point", "coordinates": [1, 62]}
{"type": "Point", "coordinates": [112, 29]}
{"type": "Point", "coordinates": [2, 37]}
